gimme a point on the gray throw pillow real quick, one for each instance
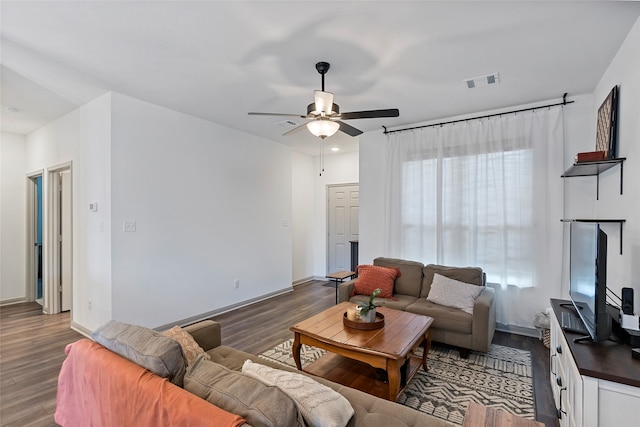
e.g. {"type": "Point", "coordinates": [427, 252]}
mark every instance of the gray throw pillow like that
{"type": "Point", "coordinates": [453, 293]}
{"type": "Point", "coordinates": [150, 349]}
{"type": "Point", "coordinates": [256, 402]}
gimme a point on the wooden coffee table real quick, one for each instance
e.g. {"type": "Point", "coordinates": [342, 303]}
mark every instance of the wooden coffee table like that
{"type": "Point", "coordinates": [378, 362]}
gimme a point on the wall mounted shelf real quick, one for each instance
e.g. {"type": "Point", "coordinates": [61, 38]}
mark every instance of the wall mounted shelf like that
{"type": "Point", "coordinates": [601, 221]}
{"type": "Point", "coordinates": [595, 169]}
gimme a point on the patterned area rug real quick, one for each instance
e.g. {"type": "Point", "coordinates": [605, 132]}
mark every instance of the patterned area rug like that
{"type": "Point", "coordinates": [500, 378]}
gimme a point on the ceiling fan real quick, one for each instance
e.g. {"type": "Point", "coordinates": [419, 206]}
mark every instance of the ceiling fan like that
{"type": "Point", "coordinates": [325, 116]}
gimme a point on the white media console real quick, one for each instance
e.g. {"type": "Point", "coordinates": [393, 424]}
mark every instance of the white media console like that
{"type": "Point", "coordinates": [594, 384]}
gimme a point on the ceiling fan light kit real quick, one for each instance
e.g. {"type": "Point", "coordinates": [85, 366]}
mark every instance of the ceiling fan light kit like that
{"type": "Point", "coordinates": [325, 116]}
{"type": "Point", "coordinates": [323, 127]}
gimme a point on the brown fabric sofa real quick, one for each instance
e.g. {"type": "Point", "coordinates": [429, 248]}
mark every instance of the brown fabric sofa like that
{"type": "Point", "coordinates": [451, 326]}
{"type": "Point", "coordinates": [165, 410]}
{"type": "Point", "coordinates": [369, 410]}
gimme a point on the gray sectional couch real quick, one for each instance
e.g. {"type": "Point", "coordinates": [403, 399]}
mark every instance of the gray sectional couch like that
{"type": "Point", "coordinates": [369, 410]}
{"type": "Point", "coordinates": [451, 326]}
{"type": "Point", "coordinates": [118, 381]}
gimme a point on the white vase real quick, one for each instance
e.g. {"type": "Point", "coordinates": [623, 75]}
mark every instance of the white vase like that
{"type": "Point", "coordinates": [370, 317]}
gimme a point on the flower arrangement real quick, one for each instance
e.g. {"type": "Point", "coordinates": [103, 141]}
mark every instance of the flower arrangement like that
{"type": "Point", "coordinates": [370, 305]}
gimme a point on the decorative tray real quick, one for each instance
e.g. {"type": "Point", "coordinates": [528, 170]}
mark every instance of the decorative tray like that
{"type": "Point", "coordinates": [364, 326]}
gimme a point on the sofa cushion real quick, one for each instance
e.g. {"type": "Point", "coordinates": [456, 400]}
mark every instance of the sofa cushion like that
{"type": "Point", "coordinates": [399, 302]}
{"type": "Point", "coordinates": [371, 277]}
{"type": "Point", "coordinates": [148, 348]}
{"type": "Point", "coordinates": [369, 410]}
{"type": "Point", "coordinates": [97, 387]}
{"type": "Point", "coordinates": [444, 318]}
{"type": "Point", "coordinates": [319, 405]}
{"type": "Point", "coordinates": [410, 280]}
{"type": "Point", "coordinates": [453, 293]}
{"type": "Point", "coordinates": [258, 403]}
{"type": "Point", "coordinates": [472, 275]}
{"type": "Point", "coordinates": [190, 347]}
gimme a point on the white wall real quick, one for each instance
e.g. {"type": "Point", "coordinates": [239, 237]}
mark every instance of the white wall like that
{"type": "Point", "coordinates": [209, 204]}
{"type": "Point", "coordinates": [372, 203]}
{"type": "Point", "coordinates": [13, 187]}
{"type": "Point", "coordinates": [342, 168]}
{"type": "Point", "coordinates": [302, 216]}
{"type": "Point", "coordinates": [622, 270]}
{"type": "Point", "coordinates": [83, 138]}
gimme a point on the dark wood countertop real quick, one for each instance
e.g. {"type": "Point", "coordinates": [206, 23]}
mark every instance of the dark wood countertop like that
{"type": "Point", "coordinates": [605, 360]}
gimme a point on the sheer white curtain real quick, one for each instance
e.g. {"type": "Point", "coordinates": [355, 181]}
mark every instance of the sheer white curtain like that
{"type": "Point", "coordinates": [487, 193]}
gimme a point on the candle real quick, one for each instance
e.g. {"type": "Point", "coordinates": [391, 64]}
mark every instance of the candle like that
{"type": "Point", "coordinates": [351, 313]}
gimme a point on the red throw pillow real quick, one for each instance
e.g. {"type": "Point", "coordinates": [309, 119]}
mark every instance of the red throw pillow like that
{"type": "Point", "coordinates": [371, 277]}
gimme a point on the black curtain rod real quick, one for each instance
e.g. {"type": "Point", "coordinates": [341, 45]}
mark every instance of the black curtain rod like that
{"type": "Point", "coordinates": [564, 102]}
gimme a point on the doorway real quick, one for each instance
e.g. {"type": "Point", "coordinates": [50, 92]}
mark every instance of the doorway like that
{"type": "Point", "coordinates": [34, 242]}
{"type": "Point", "coordinates": [342, 217]}
{"type": "Point", "coordinates": [50, 239]}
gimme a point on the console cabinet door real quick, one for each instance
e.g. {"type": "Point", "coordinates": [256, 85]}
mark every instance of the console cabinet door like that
{"type": "Point", "coordinates": [566, 381]}
{"type": "Point", "coordinates": [618, 404]}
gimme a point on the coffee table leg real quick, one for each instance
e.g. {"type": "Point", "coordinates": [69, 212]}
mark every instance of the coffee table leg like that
{"type": "Point", "coordinates": [296, 350]}
{"type": "Point", "coordinates": [393, 373]}
{"type": "Point", "coordinates": [427, 348]}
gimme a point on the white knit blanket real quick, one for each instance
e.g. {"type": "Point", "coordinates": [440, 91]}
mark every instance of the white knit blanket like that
{"type": "Point", "coordinates": [319, 405]}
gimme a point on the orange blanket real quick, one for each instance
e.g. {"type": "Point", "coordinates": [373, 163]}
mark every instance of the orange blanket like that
{"type": "Point", "coordinates": [97, 387]}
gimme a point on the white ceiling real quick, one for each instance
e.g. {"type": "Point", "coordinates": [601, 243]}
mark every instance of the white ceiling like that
{"type": "Point", "coordinates": [219, 60]}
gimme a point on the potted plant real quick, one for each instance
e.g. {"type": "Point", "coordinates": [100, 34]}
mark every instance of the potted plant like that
{"type": "Point", "coordinates": [368, 309]}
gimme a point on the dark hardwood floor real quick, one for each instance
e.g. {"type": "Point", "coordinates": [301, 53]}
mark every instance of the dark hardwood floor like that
{"type": "Point", "coordinates": [31, 353]}
{"type": "Point", "coordinates": [32, 350]}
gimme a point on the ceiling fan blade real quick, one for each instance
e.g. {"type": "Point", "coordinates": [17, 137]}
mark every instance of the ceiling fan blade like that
{"type": "Point", "coordinates": [276, 114]}
{"type": "Point", "coordinates": [371, 114]}
{"type": "Point", "coordinates": [323, 100]}
{"type": "Point", "coordinates": [348, 129]}
{"type": "Point", "coordinates": [295, 129]}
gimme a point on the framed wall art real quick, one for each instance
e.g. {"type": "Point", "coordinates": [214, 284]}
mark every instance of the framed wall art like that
{"type": "Point", "coordinates": [607, 124]}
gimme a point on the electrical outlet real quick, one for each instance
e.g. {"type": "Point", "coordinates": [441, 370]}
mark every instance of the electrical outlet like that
{"type": "Point", "coordinates": [129, 226]}
{"type": "Point", "coordinates": [236, 283]}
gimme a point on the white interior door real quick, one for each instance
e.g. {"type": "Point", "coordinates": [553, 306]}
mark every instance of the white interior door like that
{"type": "Point", "coordinates": [65, 240]}
{"type": "Point", "coordinates": [343, 205]}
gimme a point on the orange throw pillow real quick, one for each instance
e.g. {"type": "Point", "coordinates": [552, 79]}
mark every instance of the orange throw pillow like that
{"type": "Point", "coordinates": [371, 277]}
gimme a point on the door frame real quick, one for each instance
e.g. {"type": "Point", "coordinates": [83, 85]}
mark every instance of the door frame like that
{"type": "Point", "coordinates": [32, 230]}
{"type": "Point", "coordinates": [53, 253]}
{"type": "Point", "coordinates": [327, 214]}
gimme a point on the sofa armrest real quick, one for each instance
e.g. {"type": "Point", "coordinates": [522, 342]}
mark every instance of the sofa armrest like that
{"type": "Point", "coordinates": [484, 319]}
{"type": "Point", "coordinates": [345, 289]}
{"type": "Point", "coordinates": [207, 334]}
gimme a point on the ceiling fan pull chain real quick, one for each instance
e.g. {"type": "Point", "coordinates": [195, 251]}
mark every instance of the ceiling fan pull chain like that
{"type": "Point", "coordinates": [321, 155]}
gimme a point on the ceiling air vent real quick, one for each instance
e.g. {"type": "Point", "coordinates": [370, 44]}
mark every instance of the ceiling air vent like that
{"type": "Point", "coordinates": [287, 124]}
{"type": "Point", "coordinates": [489, 79]}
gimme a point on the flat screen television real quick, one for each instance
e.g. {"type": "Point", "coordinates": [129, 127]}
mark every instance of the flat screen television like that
{"type": "Point", "coordinates": [588, 278]}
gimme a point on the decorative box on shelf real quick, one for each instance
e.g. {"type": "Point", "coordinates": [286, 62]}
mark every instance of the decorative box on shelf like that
{"type": "Point", "coordinates": [591, 156]}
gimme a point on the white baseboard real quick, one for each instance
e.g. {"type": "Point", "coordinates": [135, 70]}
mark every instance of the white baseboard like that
{"type": "Point", "coordinates": [203, 316]}
{"type": "Point", "coordinates": [303, 281]}
{"type": "Point", "coordinates": [518, 330]}
{"type": "Point", "coordinates": [80, 329]}
{"type": "Point", "coordinates": [11, 301]}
